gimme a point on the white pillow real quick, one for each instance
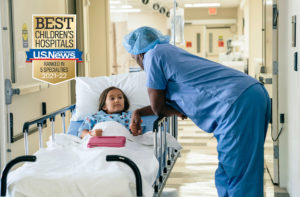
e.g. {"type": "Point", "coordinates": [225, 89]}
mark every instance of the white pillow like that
{"type": "Point", "coordinates": [88, 90]}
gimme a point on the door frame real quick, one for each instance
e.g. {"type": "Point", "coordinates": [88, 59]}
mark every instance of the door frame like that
{"type": "Point", "coordinates": [4, 74]}
{"type": "Point", "coordinates": [275, 103]}
{"type": "Point", "coordinates": [275, 106]}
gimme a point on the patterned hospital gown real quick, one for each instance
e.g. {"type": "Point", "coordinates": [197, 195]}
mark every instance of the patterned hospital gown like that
{"type": "Point", "coordinates": [101, 116]}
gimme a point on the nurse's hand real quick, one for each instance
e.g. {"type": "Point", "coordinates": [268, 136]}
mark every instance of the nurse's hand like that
{"type": "Point", "coordinates": [135, 124]}
{"type": "Point", "coordinates": [181, 115]}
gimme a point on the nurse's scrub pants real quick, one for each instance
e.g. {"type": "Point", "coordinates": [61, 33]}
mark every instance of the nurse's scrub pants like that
{"type": "Point", "coordinates": [241, 135]}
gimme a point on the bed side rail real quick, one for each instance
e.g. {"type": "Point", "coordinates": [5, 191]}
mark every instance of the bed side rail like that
{"type": "Point", "coordinates": [166, 156]}
{"type": "Point", "coordinates": [40, 121]}
{"type": "Point", "coordinates": [29, 158]}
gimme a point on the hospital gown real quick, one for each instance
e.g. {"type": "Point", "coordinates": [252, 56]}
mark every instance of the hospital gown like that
{"type": "Point", "coordinates": [101, 116]}
{"type": "Point", "coordinates": [229, 103]}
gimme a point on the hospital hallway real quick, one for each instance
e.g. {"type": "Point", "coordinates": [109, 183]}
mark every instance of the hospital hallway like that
{"type": "Point", "coordinates": [67, 65]}
{"type": "Point", "coordinates": [193, 173]}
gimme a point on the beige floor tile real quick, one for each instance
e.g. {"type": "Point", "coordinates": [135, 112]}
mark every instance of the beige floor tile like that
{"type": "Point", "coordinates": [193, 173]}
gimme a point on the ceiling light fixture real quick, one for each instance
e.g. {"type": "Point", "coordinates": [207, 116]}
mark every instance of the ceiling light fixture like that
{"type": "Point", "coordinates": [162, 10]}
{"type": "Point", "coordinates": [201, 5]}
{"type": "Point", "coordinates": [145, 2]}
{"type": "Point", "coordinates": [114, 2]}
{"type": "Point", "coordinates": [168, 14]}
{"type": "Point", "coordinates": [155, 6]}
{"type": "Point", "coordinates": [269, 2]}
{"type": "Point", "coordinates": [126, 6]}
{"type": "Point", "coordinates": [125, 10]}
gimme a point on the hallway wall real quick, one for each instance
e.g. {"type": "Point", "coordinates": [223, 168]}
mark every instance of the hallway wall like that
{"type": "Point", "coordinates": [98, 38]}
{"type": "Point", "coordinates": [289, 103]}
{"type": "Point", "coordinates": [255, 35]}
{"type": "Point", "coordinates": [250, 14]}
{"type": "Point", "coordinates": [136, 20]}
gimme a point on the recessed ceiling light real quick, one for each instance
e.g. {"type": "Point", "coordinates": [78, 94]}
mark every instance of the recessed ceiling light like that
{"type": "Point", "coordinates": [198, 5]}
{"type": "Point", "coordinates": [125, 10]}
{"type": "Point", "coordinates": [145, 2]}
{"type": "Point", "coordinates": [269, 2]}
{"type": "Point", "coordinates": [114, 2]}
{"type": "Point", "coordinates": [126, 6]}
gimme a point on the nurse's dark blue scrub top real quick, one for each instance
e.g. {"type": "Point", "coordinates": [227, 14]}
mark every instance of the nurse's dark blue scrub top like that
{"type": "Point", "coordinates": [201, 89]}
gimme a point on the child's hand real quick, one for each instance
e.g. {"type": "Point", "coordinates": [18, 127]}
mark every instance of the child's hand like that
{"type": "Point", "coordinates": [96, 132]}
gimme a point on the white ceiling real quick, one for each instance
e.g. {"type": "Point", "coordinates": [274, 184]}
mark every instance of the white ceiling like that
{"type": "Point", "coordinates": [169, 3]}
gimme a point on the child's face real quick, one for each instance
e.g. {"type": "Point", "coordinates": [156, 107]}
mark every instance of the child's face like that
{"type": "Point", "coordinates": [114, 102]}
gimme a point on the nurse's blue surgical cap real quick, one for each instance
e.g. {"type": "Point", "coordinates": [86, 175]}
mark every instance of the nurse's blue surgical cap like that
{"type": "Point", "coordinates": [143, 39]}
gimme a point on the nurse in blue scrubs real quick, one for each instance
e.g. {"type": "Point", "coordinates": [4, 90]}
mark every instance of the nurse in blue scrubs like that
{"type": "Point", "coordinates": [230, 104]}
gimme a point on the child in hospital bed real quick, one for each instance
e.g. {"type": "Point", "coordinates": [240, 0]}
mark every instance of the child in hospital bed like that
{"type": "Point", "coordinates": [113, 107]}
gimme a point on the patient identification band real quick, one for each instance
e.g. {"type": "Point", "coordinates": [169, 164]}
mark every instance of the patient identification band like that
{"type": "Point", "coordinates": [54, 54]}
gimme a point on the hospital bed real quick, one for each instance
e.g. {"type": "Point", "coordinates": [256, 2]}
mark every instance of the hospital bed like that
{"type": "Point", "coordinates": [165, 155]}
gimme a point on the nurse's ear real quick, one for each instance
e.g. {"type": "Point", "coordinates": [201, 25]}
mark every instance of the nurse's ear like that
{"type": "Point", "coordinates": [139, 60]}
{"type": "Point", "coordinates": [141, 56]}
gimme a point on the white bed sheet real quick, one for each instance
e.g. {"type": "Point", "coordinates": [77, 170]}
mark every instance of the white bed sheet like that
{"type": "Point", "coordinates": [67, 168]}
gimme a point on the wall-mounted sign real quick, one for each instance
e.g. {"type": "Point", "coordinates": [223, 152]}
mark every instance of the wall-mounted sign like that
{"type": "Point", "coordinates": [54, 54]}
{"type": "Point", "coordinates": [212, 11]}
{"type": "Point", "coordinates": [25, 35]}
{"type": "Point", "coordinates": [220, 41]}
{"type": "Point", "coordinates": [188, 44]}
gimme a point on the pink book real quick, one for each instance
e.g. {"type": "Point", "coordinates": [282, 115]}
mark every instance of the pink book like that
{"type": "Point", "coordinates": [106, 141]}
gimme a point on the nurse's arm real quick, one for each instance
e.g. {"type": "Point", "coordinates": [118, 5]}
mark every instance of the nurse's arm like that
{"type": "Point", "coordinates": [158, 104]}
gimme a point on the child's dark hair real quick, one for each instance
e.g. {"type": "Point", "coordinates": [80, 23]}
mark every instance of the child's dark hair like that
{"type": "Point", "coordinates": [103, 96]}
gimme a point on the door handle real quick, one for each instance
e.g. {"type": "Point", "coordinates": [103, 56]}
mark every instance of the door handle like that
{"type": "Point", "coordinates": [9, 91]}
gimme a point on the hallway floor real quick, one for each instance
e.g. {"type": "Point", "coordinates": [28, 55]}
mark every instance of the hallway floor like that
{"type": "Point", "coordinates": [193, 174]}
